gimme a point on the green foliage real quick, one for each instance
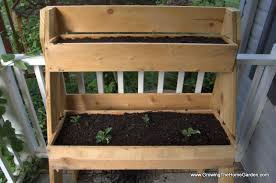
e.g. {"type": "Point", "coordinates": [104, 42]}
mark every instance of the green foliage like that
{"type": "Point", "coordinates": [187, 133]}
{"type": "Point", "coordinates": [3, 102]}
{"type": "Point", "coordinates": [146, 120]}
{"type": "Point", "coordinates": [104, 136]}
{"type": "Point", "coordinates": [74, 119]}
{"type": "Point", "coordinates": [31, 35]}
{"type": "Point", "coordinates": [221, 3]}
{"type": "Point", "coordinates": [2, 177]}
{"type": "Point", "coordinates": [7, 57]}
{"type": "Point", "coordinates": [161, 2]}
{"type": "Point", "coordinates": [8, 135]}
{"type": "Point", "coordinates": [7, 132]}
{"type": "Point", "coordinates": [33, 170]}
{"type": "Point", "coordinates": [17, 63]}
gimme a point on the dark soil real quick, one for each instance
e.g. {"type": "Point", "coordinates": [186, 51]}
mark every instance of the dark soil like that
{"type": "Point", "coordinates": [148, 39]}
{"type": "Point", "coordinates": [130, 129]}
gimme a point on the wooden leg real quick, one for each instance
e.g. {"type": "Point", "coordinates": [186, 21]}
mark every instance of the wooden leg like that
{"type": "Point", "coordinates": [200, 171]}
{"type": "Point", "coordinates": [74, 175]}
{"type": "Point", "coordinates": [226, 179]}
{"type": "Point", "coordinates": [55, 176]}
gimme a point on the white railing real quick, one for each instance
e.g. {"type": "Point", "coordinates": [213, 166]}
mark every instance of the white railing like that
{"type": "Point", "coordinates": [266, 64]}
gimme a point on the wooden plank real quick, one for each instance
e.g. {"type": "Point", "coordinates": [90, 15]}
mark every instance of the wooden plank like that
{"type": "Point", "coordinates": [100, 82]}
{"type": "Point", "coordinates": [231, 23]}
{"type": "Point", "coordinates": [120, 82]}
{"type": "Point", "coordinates": [225, 177]}
{"type": "Point", "coordinates": [50, 24]}
{"type": "Point", "coordinates": [141, 19]}
{"type": "Point", "coordinates": [55, 102]}
{"type": "Point", "coordinates": [140, 157]}
{"type": "Point", "coordinates": [42, 25]}
{"type": "Point", "coordinates": [224, 99]}
{"type": "Point", "coordinates": [199, 82]}
{"type": "Point", "coordinates": [140, 82]}
{"type": "Point", "coordinates": [140, 57]}
{"type": "Point", "coordinates": [180, 82]}
{"type": "Point", "coordinates": [160, 85]}
{"type": "Point", "coordinates": [55, 176]}
{"type": "Point", "coordinates": [129, 101]}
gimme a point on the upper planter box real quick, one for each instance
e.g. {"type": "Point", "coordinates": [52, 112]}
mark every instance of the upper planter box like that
{"type": "Point", "coordinates": [146, 38]}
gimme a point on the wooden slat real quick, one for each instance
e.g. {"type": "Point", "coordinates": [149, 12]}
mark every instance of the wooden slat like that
{"type": "Point", "coordinates": [55, 176]}
{"type": "Point", "coordinates": [180, 82]}
{"type": "Point", "coordinates": [160, 84]}
{"type": "Point", "coordinates": [199, 82]}
{"type": "Point", "coordinates": [140, 57]}
{"type": "Point", "coordinates": [50, 24]}
{"type": "Point", "coordinates": [231, 25]}
{"type": "Point", "coordinates": [141, 19]}
{"type": "Point", "coordinates": [137, 101]}
{"type": "Point", "coordinates": [223, 173]}
{"type": "Point", "coordinates": [140, 82]}
{"type": "Point", "coordinates": [100, 82]}
{"type": "Point", "coordinates": [120, 82]}
{"type": "Point", "coordinates": [140, 157]}
{"type": "Point", "coordinates": [224, 99]}
{"type": "Point", "coordinates": [55, 102]}
{"type": "Point", "coordinates": [81, 83]}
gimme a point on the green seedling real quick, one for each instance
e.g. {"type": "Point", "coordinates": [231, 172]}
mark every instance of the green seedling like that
{"type": "Point", "coordinates": [74, 119]}
{"type": "Point", "coordinates": [104, 136]}
{"type": "Point", "coordinates": [187, 133]}
{"type": "Point", "coordinates": [146, 120]}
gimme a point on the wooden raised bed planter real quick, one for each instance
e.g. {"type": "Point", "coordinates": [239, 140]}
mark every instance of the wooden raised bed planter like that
{"type": "Point", "coordinates": [77, 23]}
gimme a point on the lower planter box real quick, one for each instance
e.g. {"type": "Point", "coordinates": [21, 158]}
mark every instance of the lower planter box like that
{"type": "Point", "coordinates": [76, 157]}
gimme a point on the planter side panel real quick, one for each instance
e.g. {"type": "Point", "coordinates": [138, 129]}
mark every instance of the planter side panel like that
{"type": "Point", "coordinates": [224, 99]}
{"type": "Point", "coordinates": [141, 19]}
{"type": "Point", "coordinates": [55, 99]}
{"type": "Point", "coordinates": [141, 57]}
{"type": "Point", "coordinates": [150, 101]}
{"type": "Point", "coordinates": [137, 157]}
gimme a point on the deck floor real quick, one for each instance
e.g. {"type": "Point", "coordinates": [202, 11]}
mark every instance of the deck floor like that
{"type": "Point", "coordinates": [139, 177]}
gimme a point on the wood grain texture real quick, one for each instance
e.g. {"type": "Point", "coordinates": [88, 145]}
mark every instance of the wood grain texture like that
{"type": "Point", "coordinates": [141, 19]}
{"type": "Point", "coordinates": [144, 101]}
{"type": "Point", "coordinates": [55, 176]}
{"type": "Point", "coordinates": [224, 178]}
{"type": "Point", "coordinates": [140, 157]}
{"type": "Point", "coordinates": [224, 99]}
{"type": "Point", "coordinates": [231, 27]}
{"type": "Point", "coordinates": [140, 57]}
{"type": "Point", "coordinates": [55, 95]}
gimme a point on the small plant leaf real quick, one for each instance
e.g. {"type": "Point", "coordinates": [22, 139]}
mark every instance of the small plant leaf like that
{"type": "Point", "coordinates": [184, 132]}
{"type": "Point", "coordinates": [7, 57]}
{"type": "Point", "coordinates": [108, 130]}
{"type": "Point", "coordinates": [20, 65]}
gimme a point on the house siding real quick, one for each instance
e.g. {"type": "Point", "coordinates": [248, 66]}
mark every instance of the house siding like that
{"type": "Point", "coordinates": [260, 154]}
